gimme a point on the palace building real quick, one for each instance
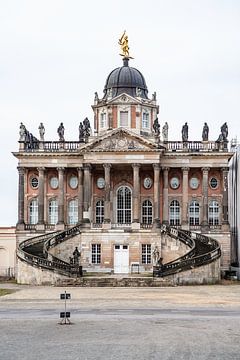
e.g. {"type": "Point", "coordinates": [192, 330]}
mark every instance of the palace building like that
{"type": "Point", "coordinates": [122, 192]}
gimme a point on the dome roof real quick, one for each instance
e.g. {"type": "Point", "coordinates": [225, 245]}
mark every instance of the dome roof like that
{"type": "Point", "coordinates": [127, 80]}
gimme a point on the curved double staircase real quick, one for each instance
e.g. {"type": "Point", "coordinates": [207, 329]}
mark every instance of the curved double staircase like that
{"type": "Point", "coordinates": [202, 251]}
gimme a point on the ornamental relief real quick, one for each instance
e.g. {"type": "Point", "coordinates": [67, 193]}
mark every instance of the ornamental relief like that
{"type": "Point", "coordinates": [120, 144]}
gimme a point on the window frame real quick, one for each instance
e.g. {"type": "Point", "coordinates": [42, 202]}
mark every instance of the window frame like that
{"type": "Point", "coordinates": [175, 215]}
{"type": "Point", "coordinates": [213, 220]}
{"type": "Point", "coordinates": [99, 206]}
{"type": "Point", "coordinates": [72, 211]}
{"type": "Point", "coordinates": [33, 215]}
{"type": "Point", "coordinates": [50, 215]}
{"type": "Point", "coordinates": [124, 212]}
{"type": "Point", "coordinates": [146, 254]}
{"type": "Point", "coordinates": [145, 122]}
{"type": "Point", "coordinates": [96, 253]}
{"type": "Point", "coordinates": [147, 206]}
{"type": "Point", "coordinates": [194, 213]}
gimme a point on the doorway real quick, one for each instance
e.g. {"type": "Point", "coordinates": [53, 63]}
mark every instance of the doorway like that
{"type": "Point", "coordinates": [121, 259]}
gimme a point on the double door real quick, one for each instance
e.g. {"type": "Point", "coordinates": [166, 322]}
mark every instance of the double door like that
{"type": "Point", "coordinates": [121, 259]}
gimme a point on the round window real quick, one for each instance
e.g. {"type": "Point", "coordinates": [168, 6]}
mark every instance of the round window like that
{"type": "Point", "coordinates": [54, 182]}
{"type": "Point", "coordinates": [174, 182]}
{"type": "Point", "coordinates": [213, 183]}
{"type": "Point", "coordinates": [34, 182]}
{"type": "Point", "coordinates": [73, 182]}
{"type": "Point", "coordinates": [194, 182]}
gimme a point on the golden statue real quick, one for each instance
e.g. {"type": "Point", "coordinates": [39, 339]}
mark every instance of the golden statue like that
{"type": "Point", "coordinates": [123, 42]}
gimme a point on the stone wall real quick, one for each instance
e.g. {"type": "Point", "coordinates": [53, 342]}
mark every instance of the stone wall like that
{"type": "Point", "coordinates": [208, 274]}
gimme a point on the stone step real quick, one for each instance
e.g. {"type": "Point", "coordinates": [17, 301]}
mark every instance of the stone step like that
{"type": "Point", "coordinates": [117, 282]}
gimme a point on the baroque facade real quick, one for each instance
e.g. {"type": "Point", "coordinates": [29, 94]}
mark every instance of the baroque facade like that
{"type": "Point", "coordinates": [122, 183]}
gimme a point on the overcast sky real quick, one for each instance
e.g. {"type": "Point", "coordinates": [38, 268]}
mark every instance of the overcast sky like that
{"type": "Point", "coordinates": [55, 54]}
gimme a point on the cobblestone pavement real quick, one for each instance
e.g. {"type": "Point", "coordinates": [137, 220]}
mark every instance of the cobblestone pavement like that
{"type": "Point", "coordinates": [200, 322]}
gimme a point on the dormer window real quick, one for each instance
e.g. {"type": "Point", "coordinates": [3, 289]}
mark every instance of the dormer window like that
{"type": "Point", "coordinates": [103, 120]}
{"type": "Point", "coordinates": [145, 120]}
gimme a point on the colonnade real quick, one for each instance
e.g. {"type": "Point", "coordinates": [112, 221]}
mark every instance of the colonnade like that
{"type": "Point", "coordinates": [84, 194]}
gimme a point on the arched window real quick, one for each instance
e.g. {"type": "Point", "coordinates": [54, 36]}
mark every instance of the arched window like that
{"type": "Point", "coordinates": [99, 211]}
{"type": "Point", "coordinates": [174, 213]}
{"type": "Point", "coordinates": [33, 211]}
{"type": "Point", "coordinates": [53, 212]}
{"type": "Point", "coordinates": [213, 213]}
{"type": "Point", "coordinates": [124, 205]}
{"type": "Point", "coordinates": [194, 213]}
{"type": "Point", "coordinates": [147, 212]}
{"type": "Point", "coordinates": [73, 212]}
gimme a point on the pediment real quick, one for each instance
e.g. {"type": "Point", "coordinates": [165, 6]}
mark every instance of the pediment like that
{"type": "Point", "coordinates": [121, 140]}
{"type": "Point", "coordinates": [125, 99]}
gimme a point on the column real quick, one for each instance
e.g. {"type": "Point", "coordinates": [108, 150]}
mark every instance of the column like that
{"type": "Point", "coordinates": [225, 196]}
{"type": "Point", "coordinates": [21, 172]}
{"type": "Point", "coordinates": [41, 195]}
{"type": "Point", "coordinates": [80, 194]}
{"type": "Point", "coordinates": [204, 223]}
{"type": "Point", "coordinates": [165, 195]}
{"type": "Point", "coordinates": [156, 196]}
{"type": "Point", "coordinates": [136, 192]}
{"type": "Point", "coordinates": [185, 171]}
{"type": "Point", "coordinates": [86, 191]}
{"type": "Point", "coordinates": [107, 215]}
{"type": "Point", "coordinates": [61, 195]}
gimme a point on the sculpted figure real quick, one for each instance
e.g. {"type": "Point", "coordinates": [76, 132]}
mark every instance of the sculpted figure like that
{"type": "Point", "coordinates": [205, 132]}
{"type": "Point", "coordinates": [224, 131]}
{"type": "Point", "coordinates": [156, 256]}
{"type": "Point", "coordinates": [156, 127]}
{"type": "Point", "coordinates": [86, 126]}
{"type": "Point", "coordinates": [138, 92]}
{"type": "Point", "coordinates": [165, 132]}
{"type": "Point", "coordinates": [81, 132]}
{"type": "Point", "coordinates": [76, 256]}
{"type": "Point", "coordinates": [123, 42]}
{"type": "Point", "coordinates": [41, 129]}
{"type": "Point", "coordinates": [185, 132]}
{"type": "Point", "coordinates": [60, 131]}
{"type": "Point", "coordinates": [22, 132]}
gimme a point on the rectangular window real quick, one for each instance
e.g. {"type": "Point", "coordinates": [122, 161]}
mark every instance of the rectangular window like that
{"type": "Point", "coordinates": [146, 254]}
{"type": "Point", "coordinates": [124, 118]}
{"type": "Point", "coordinates": [145, 120]}
{"type": "Point", "coordinates": [103, 120]}
{"type": "Point", "coordinates": [96, 253]}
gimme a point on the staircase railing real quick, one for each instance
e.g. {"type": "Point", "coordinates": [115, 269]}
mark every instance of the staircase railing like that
{"type": "Point", "coordinates": [204, 250]}
{"type": "Point", "coordinates": [48, 261]}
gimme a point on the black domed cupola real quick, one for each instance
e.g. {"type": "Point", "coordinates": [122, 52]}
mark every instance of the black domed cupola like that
{"type": "Point", "coordinates": [127, 80]}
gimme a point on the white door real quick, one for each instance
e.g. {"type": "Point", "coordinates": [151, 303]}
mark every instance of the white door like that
{"type": "Point", "coordinates": [121, 259]}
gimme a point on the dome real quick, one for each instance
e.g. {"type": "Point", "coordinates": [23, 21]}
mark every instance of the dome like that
{"type": "Point", "coordinates": [127, 80]}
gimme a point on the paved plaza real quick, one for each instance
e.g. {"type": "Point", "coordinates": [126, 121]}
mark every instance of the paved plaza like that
{"type": "Point", "coordinates": [200, 322]}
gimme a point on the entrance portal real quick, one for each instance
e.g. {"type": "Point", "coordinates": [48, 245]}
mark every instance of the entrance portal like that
{"type": "Point", "coordinates": [121, 259]}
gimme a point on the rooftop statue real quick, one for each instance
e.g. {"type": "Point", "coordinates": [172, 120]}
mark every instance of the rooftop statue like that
{"type": "Point", "coordinates": [156, 127]}
{"type": "Point", "coordinates": [224, 131]}
{"type": "Point", "coordinates": [41, 129]}
{"type": "Point", "coordinates": [87, 127]}
{"type": "Point", "coordinates": [22, 132]}
{"type": "Point", "coordinates": [185, 132]}
{"type": "Point", "coordinates": [123, 42]}
{"type": "Point", "coordinates": [165, 132]}
{"type": "Point", "coordinates": [60, 131]}
{"type": "Point", "coordinates": [205, 132]}
{"type": "Point", "coordinates": [81, 132]}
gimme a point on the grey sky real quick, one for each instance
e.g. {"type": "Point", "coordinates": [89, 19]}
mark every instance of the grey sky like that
{"type": "Point", "coordinates": [55, 54]}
